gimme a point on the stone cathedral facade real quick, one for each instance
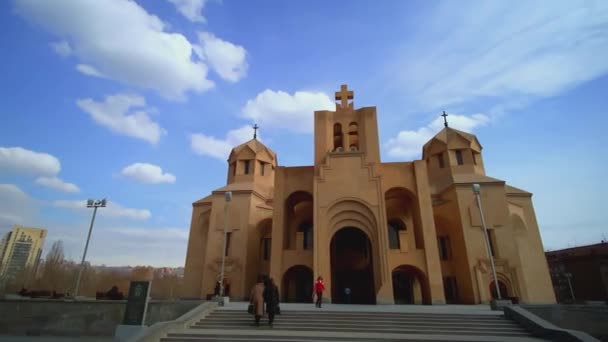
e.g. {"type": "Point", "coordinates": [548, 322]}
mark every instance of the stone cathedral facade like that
{"type": "Point", "coordinates": [400, 232]}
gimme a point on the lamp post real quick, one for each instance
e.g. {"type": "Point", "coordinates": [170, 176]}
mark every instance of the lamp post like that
{"type": "Point", "coordinates": [477, 191]}
{"type": "Point", "coordinates": [90, 204]}
{"type": "Point", "coordinates": [228, 198]}
{"type": "Point", "coordinates": [569, 276]}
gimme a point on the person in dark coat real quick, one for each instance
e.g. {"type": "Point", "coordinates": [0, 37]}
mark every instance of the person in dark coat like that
{"type": "Point", "coordinates": [271, 297]}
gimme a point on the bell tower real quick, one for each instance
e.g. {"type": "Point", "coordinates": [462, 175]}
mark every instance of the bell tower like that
{"type": "Point", "coordinates": [346, 130]}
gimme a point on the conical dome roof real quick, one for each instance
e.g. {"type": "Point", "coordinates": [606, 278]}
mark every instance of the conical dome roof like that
{"type": "Point", "coordinates": [256, 147]}
{"type": "Point", "coordinates": [450, 136]}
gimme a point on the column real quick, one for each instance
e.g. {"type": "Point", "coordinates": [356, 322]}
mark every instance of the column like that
{"type": "Point", "coordinates": [429, 234]}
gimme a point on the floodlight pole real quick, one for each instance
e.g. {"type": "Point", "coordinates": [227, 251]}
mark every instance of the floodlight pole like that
{"type": "Point", "coordinates": [477, 190]}
{"type": "Point", "coordinates": [228, 198]}
{"type": "Point", "coordinates": [568, 276]}
{"type": "Point", "coordinates": [90, 204]}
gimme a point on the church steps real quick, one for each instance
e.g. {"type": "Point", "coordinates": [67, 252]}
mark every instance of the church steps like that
{"type": "Point", "coordinates": [370, 321]}
{"type": "Point", "coordinates": [334, 326]}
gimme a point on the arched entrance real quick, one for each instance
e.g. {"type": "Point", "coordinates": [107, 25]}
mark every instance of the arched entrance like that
{"type": "Point", "coordinates": [503, 290]}
{"type": "Point", "coordinates": [352, 267]}
{"type": "Point", "coordinates": [409, 285]}
{"type": "Point", "coordinates": [297, 285]}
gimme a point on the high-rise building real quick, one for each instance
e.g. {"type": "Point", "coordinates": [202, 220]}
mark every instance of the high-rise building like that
{"type": "Point", "coordinates": [21, 248]}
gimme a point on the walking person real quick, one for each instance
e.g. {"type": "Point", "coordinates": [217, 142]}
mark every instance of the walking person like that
{"type": "Point", "coordinates": [347, 295]}
{"type": "Point", "coordinates": [319, 288]}
{"type": "Point", "coordinates": [256, 298]}
{"type": "Point", "coordinates": [271, 297]}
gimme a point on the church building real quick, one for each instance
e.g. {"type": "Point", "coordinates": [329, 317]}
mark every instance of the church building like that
{"type": "Point", "coordinates": [393, 233]}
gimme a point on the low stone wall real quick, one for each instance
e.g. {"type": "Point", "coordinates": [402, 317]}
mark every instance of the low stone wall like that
{"type": "Point", "coordinates": [78, 318]}
{"type": "Point", "coordinates": [588, 318]}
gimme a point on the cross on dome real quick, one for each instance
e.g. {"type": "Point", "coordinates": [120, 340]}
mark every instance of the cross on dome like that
{"type": "Point", "coordinates": [445, 119]}
{"type": "Point", "coordinates": [255, 131]}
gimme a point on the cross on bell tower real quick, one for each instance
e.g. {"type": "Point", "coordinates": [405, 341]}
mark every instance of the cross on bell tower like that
{"type": "Point", "coordinates": [255, 131]}
{"type": "Point", "coordinates": [343, 96]}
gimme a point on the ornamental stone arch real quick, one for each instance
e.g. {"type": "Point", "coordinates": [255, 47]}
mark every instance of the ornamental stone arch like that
{"type": "Point", "coordinates": [353, 218]}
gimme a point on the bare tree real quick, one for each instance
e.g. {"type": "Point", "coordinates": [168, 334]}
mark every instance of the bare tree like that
{"type": "Point", "coordinates": [54, 275]}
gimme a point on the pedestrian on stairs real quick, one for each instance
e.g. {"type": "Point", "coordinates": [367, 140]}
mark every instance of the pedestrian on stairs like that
{"type": "Point", "coordinates": [256, 297]}
{"type": "Point", "coordinates": [271, 297]}
{"type": "Point", "coordinates": [347, 295]}
{"type": "Point", "coordinates": [319, 288]}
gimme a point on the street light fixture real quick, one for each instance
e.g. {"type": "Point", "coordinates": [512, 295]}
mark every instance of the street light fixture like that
{"type": "Point", "coordinates": [477, 191]}
{"type": "Point", "coordinates": [228, 198]}
{"type": "Point", "coordinates": [90, 204]}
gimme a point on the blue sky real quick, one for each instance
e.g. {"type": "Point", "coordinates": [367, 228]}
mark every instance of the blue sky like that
{"type": "Point", "coordinates": [141, 101]}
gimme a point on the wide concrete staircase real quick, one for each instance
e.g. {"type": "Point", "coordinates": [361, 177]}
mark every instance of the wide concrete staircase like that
{"type": "Point", "coordinates": [325, 325]}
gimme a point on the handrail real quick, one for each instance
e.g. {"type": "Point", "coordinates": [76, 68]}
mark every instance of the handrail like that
{"type": "Point", "coordinates": [159, 330]}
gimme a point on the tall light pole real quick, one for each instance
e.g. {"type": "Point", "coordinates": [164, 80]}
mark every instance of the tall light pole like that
{"type": "Point", "coordinates": [477, 191]}
{"type": "Point", "coordinates": [90, 204]}
{"type": "Point", "coordinates": [568, 276]}
{"type": "Point", "coordinates": [228, 198]}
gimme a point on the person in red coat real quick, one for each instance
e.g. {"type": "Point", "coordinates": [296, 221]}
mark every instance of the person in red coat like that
{"type": "Point", "coordinates": [319, 288]}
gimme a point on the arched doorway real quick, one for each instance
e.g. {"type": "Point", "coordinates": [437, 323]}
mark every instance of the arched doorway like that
{"type": "Point", "coordinates": [409, 285]}
{"type": "Point", "coordinates": [503, 290]}
{"type": "Point", "coordinates": [297, 285]}
{"type": "Point", "coordinates": [352, 267]}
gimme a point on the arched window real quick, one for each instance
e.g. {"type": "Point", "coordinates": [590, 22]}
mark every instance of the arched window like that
{"type": "Point", "coordinates": [459, 159]}
{"type": "Point", "coordinates": [338, 143]}
{"type": "Point", "coordinates": [306, 228]}
{"type": "Point", "coordinates": [394, 227]}
{"type": "Point", "coordinates": [353, 136]}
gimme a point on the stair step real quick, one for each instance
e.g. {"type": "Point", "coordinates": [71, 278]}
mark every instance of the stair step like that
{"type": "Point", "coordinates": [366, 321]}
{"type": "Point", "coordinates": [370, 314]}
{"type": "Point", "coordinates": [404, 330]}
{"type": "Point", "coordinates": [263, 338]}
{"type": "Point", "coordinates": [322, 325]}
{"type": "Point", "coordinates": [364, 317]}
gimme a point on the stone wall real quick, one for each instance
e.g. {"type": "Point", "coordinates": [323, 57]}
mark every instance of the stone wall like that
{"type": "Point", "coordinates": [81, 318]}
{"type": "Point", "coordinates": [588, 318]}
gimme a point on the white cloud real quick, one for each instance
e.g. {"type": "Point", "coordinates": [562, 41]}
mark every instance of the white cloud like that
{"type": "Point", "coordinates": [278, 109]}
{"type": "Point", "coordinates": [122, 41]}
{"type": "Point", "coordinates": [115, 113]}
{"type": "Point", "coordinates": [62, 48]}
{"type": "Point", "coordinates": [16, 205]}
{"type": "Point", "coordinates": [226, 59]}
{"type": "Point", "coordinates": [111, 210]}
{"type": "Point", "coordinates": [89, 70]}
{"type": "Point", "coordinates": [536, 51]}
{"type": "Point", "coordinates": [147, 173]}
{"type": "Point", "coordinates": [207, 145]}
{"type": "Point", "coordinates": [159, 234]}
{"type": "Point", "coordinates": [21, 161]}
{"type": "Point", "coordinates": [57, 184]}
{"type": "Point", "coordinates": [191, 9]}
{"type": "Point", "coordinates": [408, 144]}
